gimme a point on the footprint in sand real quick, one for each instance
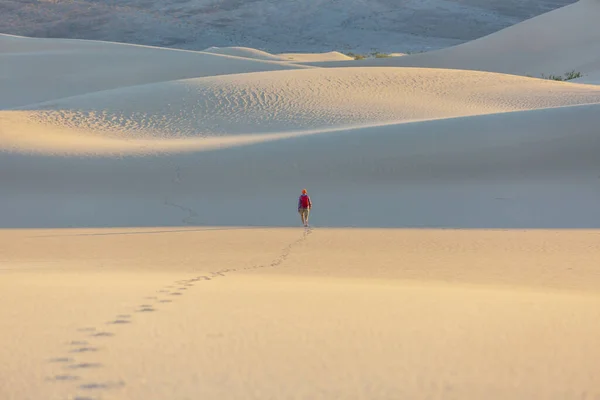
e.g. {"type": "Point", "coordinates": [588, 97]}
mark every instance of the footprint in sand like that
{"type": "Point", "coordinates": [103, 334]}
{"type": "Point", "coordinates": [61, 360]}
{"type": "Point", "coordinates": [78, 343]}
{"type": "Point", "coordinates": [85, 366]}
{"type": "Point", "coordinates": [65, 378]}
{"type": "Point", "coordinates": [87, 349]}
{"type": "Point", "coordinates": [119, 321]}
{"type": "Point", "coordinates": [101, 385]}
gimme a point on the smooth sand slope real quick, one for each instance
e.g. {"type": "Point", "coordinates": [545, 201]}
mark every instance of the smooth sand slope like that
{"type": "Point", "coordinates": [590, 79]}
{"type": "Point", "coordinates": [150, 246]}
{"type": "Point", "coordinates": [314, 57]}
{"type": "Point", "coordinates": [348, 314]}
{"type": "Point", "coordinates": [562, 40]}
{"type": "Point", "coordinates": [525, 169]}
{"type": "Point", "coordinates": [49, 69]}
{"type": "Point", "coordinates": [245, 52]}
{"type": "Point", "coordinates": [201, 113]}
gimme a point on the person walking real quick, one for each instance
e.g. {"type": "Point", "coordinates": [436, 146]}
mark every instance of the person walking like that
{"type": "Point", "coordinates": [304, 206]}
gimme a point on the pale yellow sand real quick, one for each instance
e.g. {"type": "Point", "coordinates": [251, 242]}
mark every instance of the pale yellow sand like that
{"type": "Point", "coordinates": [211, 111]}
{"type": "Point", "coordinates": [315, 57]}
{"type": "Point", "coordinates": [340, 314]}
{"type": "Point", "coordinates": [163, 165]}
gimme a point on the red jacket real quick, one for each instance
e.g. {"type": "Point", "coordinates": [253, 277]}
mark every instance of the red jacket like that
{"type": "Point", "coordinates": [304, 202]}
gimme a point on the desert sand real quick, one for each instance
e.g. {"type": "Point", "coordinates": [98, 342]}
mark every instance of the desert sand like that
{"type": "Point", "coordinates": [276, 26]}
{"type": "Point", "coordinates": [150, 246]}
{"type": "Point", "coordinates": [313, 57]}
{"type": "Point", "coordinates": [563, 40]}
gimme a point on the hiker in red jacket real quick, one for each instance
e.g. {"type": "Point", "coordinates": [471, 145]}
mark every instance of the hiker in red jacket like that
{"type": "Point", "coordinates": [304, 206]}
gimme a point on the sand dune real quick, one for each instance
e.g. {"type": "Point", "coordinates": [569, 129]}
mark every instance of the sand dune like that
{"type": "Point", "coordinates": [149, 241]}
{"type": "Point", "coordinates": [263, 55]}
{"type": "Point", "coordinates": [245, 52]}
{"type": "Point", "coordinates": [144, 323]}
{"type": "Point", "coordinates": [524, 169]}
{"type": "Point", "coordinates": [275, 25]}
{"type": "Point", "coordinates": [52, 69]}
{"type": "Point", "coordinates": [562, 40]}
{"type": "Point", "coordinates": [314, 57]}
{"type": "Point", "coordinates": [590, 78]}
{"type": "Point", "coordinates": [263, 106]}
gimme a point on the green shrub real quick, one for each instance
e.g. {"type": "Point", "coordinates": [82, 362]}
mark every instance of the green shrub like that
{"type": "Point", "coordinates": [567, 76]}
{"type": "Point", "coordinates": [572, 75]}
{"type": "Point", "coordinates": [356, 56]}
{"type": "Point", "coordinates": [377, 54]}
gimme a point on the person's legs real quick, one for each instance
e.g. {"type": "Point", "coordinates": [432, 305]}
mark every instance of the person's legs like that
{"type": "Point", "coordinates": [304, 216]}
{"type": "Point", "coordinates": [301, 212]}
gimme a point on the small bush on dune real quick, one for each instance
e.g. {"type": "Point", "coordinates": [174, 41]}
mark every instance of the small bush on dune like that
{"type": "Point", "coordinates": [377, 54]}
{"type": "Point", "coordinates": [567, 76]}
{"type": "Point", "coordinates": [553, 77]}
{"type": "Point", "coordinates": [572, 75]}
{"type": "Point", "coordinates": [356, 56]}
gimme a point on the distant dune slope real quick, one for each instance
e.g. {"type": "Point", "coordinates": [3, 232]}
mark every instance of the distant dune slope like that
{"type": "Point", "coordinates": [313, 57]}
{"type": "Point", "coordinates": [263, 55]}
{"type": "Point", "coordinates": [525, 169]}
{"type": "Point", "coordinates": [243, 52]}
{"type": "Point", "coordinates": [159, 117]}
{"type": "Point", "coordinates": [276, 26]}
{"type": "Point", "coordinates": [562, 40]}
{"type": "Point", "coordinates": [35, 70]}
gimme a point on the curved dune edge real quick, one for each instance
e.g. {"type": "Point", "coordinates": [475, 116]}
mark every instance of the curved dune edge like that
{"type": "Point", "coordinates": [55, 140]}
{"type": "Point", "coordinates": [315, 57]}
{"type": "Point", "coordinates": [38, 70]}
{"type": "Point", "coordinates": [207, 113]}
{"type": "Point", "coordinates": [531, 169]}
{"type": "Point", "coordinates": [553, 43]}
{"type": "Point", "coordinates": [245, 52]}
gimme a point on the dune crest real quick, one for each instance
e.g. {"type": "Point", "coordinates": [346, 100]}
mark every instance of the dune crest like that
{"type": "Point", "coordinates": [563, 40]}
{"type": "Point", "coordinates": [51, 69]}
{"type": "Point", "coordinates": [315, 57]}
{"type": "Point", "coordinates": [160, 117]}
{"type": "Point", "coordinates": [245, 52]}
